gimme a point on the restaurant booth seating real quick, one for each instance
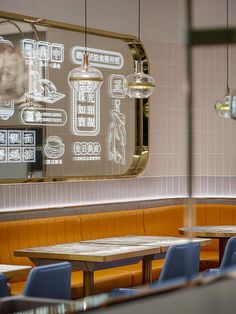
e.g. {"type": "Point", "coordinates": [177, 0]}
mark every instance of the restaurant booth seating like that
{"type": "Point", "coordinates": [163, 220]}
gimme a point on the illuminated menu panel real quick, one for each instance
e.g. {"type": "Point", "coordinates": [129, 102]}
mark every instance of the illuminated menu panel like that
{"type": "Point", "coordinates": [55, 132]}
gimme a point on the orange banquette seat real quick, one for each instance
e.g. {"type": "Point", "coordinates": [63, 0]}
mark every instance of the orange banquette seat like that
{"type": "Point", "coordinates": [163, 220]}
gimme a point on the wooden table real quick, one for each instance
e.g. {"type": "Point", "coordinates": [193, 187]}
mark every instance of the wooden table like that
{"type": "Point", "coordinates": [12, 271]}
{"type": "Point", "coordinates": [223, 233]}
{"type": "Point", "coordinates": [89, 256]}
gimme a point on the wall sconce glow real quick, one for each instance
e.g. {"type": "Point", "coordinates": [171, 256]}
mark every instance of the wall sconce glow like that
{"type": "Point", "coordinates": [85, 79]}
{"type": "Point", "coordinates": [222, 106]}
{"type": "Point", "coordinates": [139, 84]}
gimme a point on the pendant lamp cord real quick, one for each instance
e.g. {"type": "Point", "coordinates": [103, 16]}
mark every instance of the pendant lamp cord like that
{"type": "Point", "coordinates": [227, 46]}
{"type": "Point", "coordinates": [85, 25]}
{"type": "Point", "coordinates": [139, 18]}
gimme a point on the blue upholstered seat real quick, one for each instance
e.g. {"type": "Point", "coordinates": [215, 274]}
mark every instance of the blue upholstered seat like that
{"type": "Point", "coordinates": [49, 281]}
{"type": "Point", "coordinates": [228, 260]}
{"type": "Point", "coordinates": [181, 263]}
{"type": "Point", "coordinates": [230, 249]}
{"type": "Point", "coordinates": [3, 286]}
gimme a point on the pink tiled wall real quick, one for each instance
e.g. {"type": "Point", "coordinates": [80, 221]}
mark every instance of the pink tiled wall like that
{"type": "Point", "coordinates": [162, 32]}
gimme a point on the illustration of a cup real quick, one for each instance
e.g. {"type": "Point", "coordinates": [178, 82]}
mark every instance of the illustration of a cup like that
{"type": "Point", "coordinates": [54, 147]}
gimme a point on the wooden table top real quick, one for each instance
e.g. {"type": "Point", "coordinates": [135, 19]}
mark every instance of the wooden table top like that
{"type": "Point", "coordinates": [210, 231]}
{"type": "Point", "coordinates": [14, 270]}
{"type": "Point", "coordinates": [89, 252]}
{"type": "Point", "coordinates": [97, 251]}
{"type": "Point", "coordinates": [164, 242]}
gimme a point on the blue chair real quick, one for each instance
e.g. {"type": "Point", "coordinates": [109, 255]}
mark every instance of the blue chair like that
{"type": "Point", "coordinates": [233, 259]}
{"type": "Point", "coordinates": [3, 286]}
{"type": "Point", "coordinates": [181, 263]}
{"type": "Point", "coordinates": [228, 260]}
{"type": "Point", "coordinates": [49, 281]}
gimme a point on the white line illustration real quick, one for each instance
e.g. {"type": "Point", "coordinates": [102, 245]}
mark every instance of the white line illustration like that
{"type": "Point", "coordinates": [7, 110]}
{"type": "Point", "coordinates": [98, 57]}
{"type": "Point", "coordinates": [17, 146]}
{"type": "Point", "coordinates": [117, 86]}
{"type": "Point", "coordinates": [117, 136]}
{"type": "Point", "coordinates": [87, 148]}
{"type": "Point", "coordinates": [14, 154]}
{"type": "Point", "coordinates": [57, 55]}
{"type": "Point", "coordinates": [43, 90]}
{"type": "Point", "coordinates": [54, 147]}
{"type": "Point", "coordinates": [3, 154]}
{"type": "Point", "coordinates": [28, 154]}
{"type": "Point", "coordinates": [28, 48]}
{"type": "Point", "coordinates": [3, 137]}
{"type": "Point", "coordinates": [46, 53]}
{"type": "Point", "coordinates": [14, 137]}
{"type": "Point", "coordinates": [43, 116]}
{"type": "Point", "coordinates": [86, 113]}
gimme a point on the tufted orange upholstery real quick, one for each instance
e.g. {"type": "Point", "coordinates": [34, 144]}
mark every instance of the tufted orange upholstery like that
{"type": "Point", "coordinates": [150, 221]}
{"type": "Point", "coordinates": [46, 231]}
{"type": "Point", "coordinates": [37, 232]}
{"type": "Point", "coordinates": [215, 214]}
{"type": "Point", "coordinates": [164, 220]}
{"type": "Point", "coordinates": [112, 224]}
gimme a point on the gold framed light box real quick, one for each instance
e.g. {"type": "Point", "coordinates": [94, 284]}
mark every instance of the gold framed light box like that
{"type": "Point", "coordinates": [53, 133]}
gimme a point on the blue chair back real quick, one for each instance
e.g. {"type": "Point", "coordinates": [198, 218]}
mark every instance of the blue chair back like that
{"type": "Point", "coordinates": [233, 259]}
{"type": "Point", "coordinates": [49, 281]}
{"type": "Point", "coordinates": [181, 260]}
{"type": "Point", "coordinates": [181, 264]}
{"type": "Point", "coordinates": [3, 286]}
{"type": "Point", "coordinates": [230, 248]}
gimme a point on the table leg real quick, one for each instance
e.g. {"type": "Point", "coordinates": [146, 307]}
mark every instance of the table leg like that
{"type": "Point", "coordinates": [222, 244]}
{"type": "Point", "coordinates": [9, 288]}
{"type": "Point", "coordinates": [146, 270]}
{"type": "Point", "coordinates": [88, 282]}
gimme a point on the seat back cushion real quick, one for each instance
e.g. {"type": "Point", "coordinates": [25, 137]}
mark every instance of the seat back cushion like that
{"type": "Point", "coordinates": [36, 232]}
{"type": "Point", "coordinates": [215, 214]}
{"type": "Point", "coordinates": [101, 225]}
{"type": "Point", "coordinates": [164, 220]}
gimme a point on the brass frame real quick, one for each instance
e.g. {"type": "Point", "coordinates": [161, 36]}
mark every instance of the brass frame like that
{"type": "Point", "coordinates": [137, 49]}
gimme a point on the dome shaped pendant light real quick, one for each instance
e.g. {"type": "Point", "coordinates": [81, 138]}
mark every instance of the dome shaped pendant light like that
{"type": "Point", "coordinates": [222, 106]}
{"type": "Point", "coordinates": [139, 84]}
{"type": "Point", "coordinates": [85, 79]}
